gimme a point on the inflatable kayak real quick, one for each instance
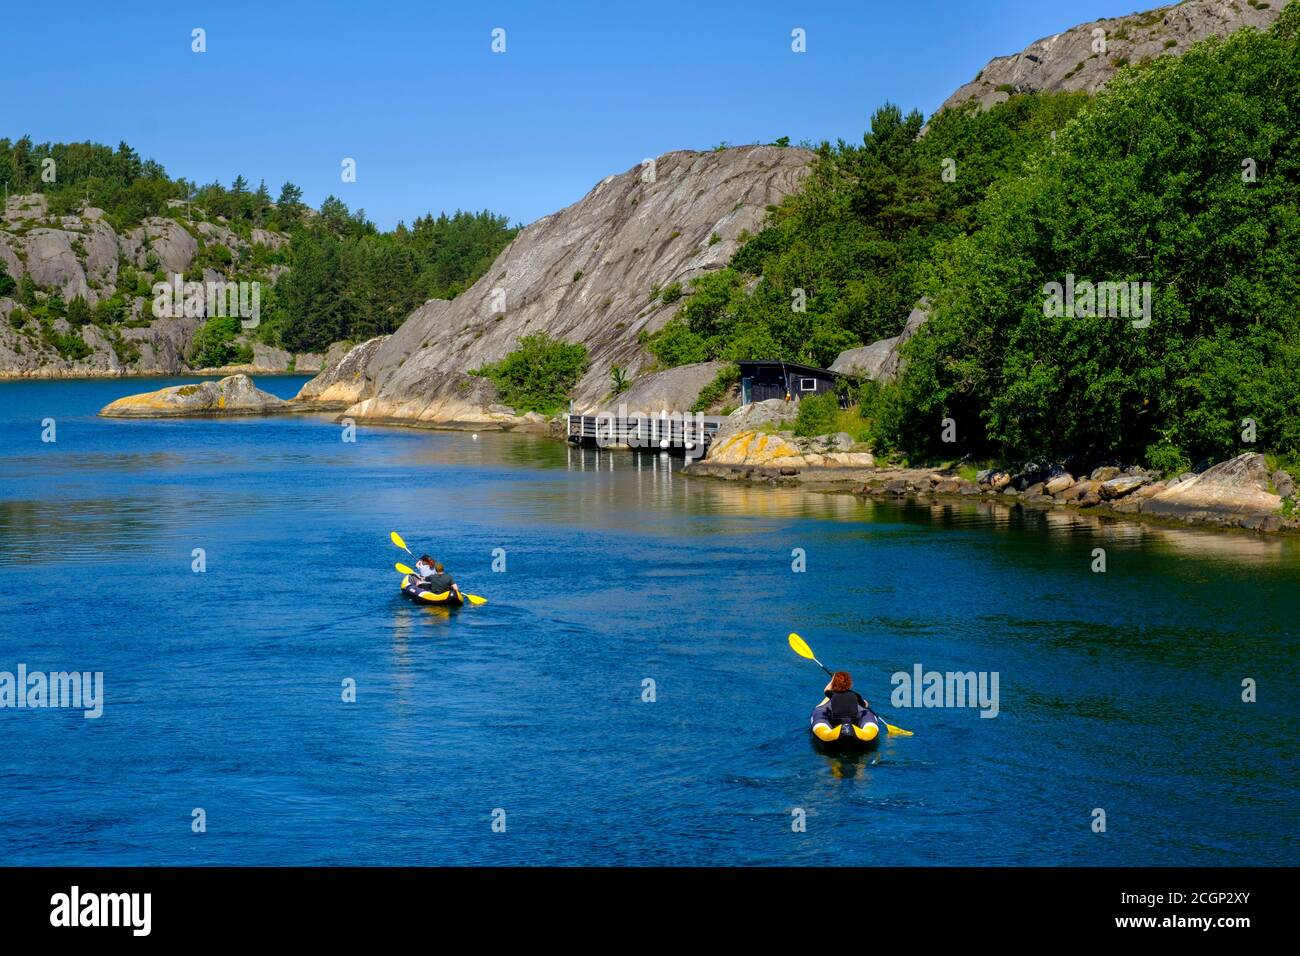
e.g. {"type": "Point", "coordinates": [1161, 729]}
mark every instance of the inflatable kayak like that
{"type": "Point", "coordinates": [412, 589]}
{"type": "Point", "coordinates": [836, 735]}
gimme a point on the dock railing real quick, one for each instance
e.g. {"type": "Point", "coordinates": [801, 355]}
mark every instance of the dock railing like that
{"type": "Point", "coordinates": [674, 432]}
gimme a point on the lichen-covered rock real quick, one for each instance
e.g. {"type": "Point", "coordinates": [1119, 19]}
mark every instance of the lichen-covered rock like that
{"type": "Point", "coordinates": [234, 395]}
{"type": "Point", "coordinates": [754, 448]}
{"type": "Point", "coordinates": [772, 414]}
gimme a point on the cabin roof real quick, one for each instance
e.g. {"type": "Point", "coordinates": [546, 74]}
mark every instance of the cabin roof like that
{"type": "Point", "coordinates": [791, 366]}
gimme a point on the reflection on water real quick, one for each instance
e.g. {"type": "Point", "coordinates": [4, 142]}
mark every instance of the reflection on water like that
{"type": "Point", "coordinates": [227, 683]}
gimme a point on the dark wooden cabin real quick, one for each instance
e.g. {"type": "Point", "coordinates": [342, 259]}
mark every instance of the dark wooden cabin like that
{"type": "Point", "coordinates": [760, 381]}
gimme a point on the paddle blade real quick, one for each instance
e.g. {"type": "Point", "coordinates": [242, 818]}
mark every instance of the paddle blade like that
{"type": "Point", "coordinates": [403, 568]}
{"type": "Point", "coordinates": [397, 540]}
{"type": "Point", "coordinates": [473, 598]}
{"type": "Point", "coordinates": [798, 645]}
{"type": "Point", "coordinates": [898, 731]}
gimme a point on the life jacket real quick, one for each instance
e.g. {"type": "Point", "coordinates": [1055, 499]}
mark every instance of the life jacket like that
{"type": "Point", "coordinates": [844, 705]}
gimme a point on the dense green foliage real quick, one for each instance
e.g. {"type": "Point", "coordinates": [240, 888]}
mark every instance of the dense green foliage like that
{"type": "Point", "coordinates": [214, 344]}
{"type": "Point", "coordinates": [539, 374]}
{"type": "Point", "coordinates": [1182, 174]}
{"type": "Point", "coordinates": [857, 238]}
{"type": "Point", "coordinates": [346, 279]}
{"type": "Point", "coordinates": [817, 414]}
{"type": "Point", "coordinates": [1145, 184]}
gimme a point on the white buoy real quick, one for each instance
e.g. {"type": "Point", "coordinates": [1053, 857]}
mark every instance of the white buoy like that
{"type": "Point", "coordinates": [475, 436]}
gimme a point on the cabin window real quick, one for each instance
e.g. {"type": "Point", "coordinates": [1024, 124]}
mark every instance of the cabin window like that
{"type": "Point", "coordinates": [807, 384]}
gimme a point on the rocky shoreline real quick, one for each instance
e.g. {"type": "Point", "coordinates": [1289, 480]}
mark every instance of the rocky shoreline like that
{"type": "Point", "coordinates": [1239, 493]}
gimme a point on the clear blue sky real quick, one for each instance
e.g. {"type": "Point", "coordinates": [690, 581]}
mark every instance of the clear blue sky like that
{"type": "Point", "coordinates": [436, 121]}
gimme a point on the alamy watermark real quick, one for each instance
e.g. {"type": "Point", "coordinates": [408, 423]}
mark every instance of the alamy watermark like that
{"type": "Point", "coordinates": [196, 300]}
{"type": "Point", "coordinates": [666, 430]}
{"type": "Point", "coordinates": [78, 690]}
{"type": "Point", "coordinates": [1108, 300]}
{"type": "Point", "coordinates": [922, 688]}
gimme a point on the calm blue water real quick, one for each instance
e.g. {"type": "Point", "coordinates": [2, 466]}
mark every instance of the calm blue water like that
{"type": "Point", "coordinates": [1118, 690]}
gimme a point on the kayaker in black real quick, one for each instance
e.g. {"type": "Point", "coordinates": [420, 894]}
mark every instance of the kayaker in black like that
{"type": "Point", "coordinates": [842, 701]}
{"type": "Point", "coordinates": [440, 581]}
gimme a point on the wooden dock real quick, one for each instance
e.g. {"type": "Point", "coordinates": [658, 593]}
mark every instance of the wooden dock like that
{"type": "Point", "coordinates": [675, 434]}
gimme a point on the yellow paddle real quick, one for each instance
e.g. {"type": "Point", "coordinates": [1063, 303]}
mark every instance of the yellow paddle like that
{"type": "Point", "coordinates": [800, 647]}
{"type": "Point", "coordinates": [403, 569]}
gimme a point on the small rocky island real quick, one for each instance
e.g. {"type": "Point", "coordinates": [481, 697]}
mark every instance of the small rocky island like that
{"type": "Point", "coordinates": [234, 395]}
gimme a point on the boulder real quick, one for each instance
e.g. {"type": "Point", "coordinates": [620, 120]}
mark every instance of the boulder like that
{"type": "Point", "coordinates": [1120, 486]}
{"type": "Point", "coordinates": [772, 414]}
{"type": "Point", "coordinates": [1228, 493]}
{"type": "Point", "coordinates": [1104, 473]}
{"type": "Point", "coordinates": [881, 361]}
{"type": "Point", "coordinates": [1284, 483]}
{"type": "Point", "coordinates": [308, 362]}
{"type": "Point", "coordinates": [10, 261]}
{"type": "Point", "coordinates": [1058, 484]}
{"type": "Point", "coordinates": [268, 358]}
{"type": "Point", "coordinates": [163, 344]}
{"type": "Point", "coordinates": [851, 459]}
{"type": "Point", "coordinates": [235, 395]}
{"type": "Point", "coordinates": [272, 240]}
{"type": "Point", "coordinates": [754, 448]}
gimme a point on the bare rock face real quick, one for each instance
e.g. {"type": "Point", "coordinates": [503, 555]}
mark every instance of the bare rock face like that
{"type": "Point", "coordinates": [672, 390]}
{"type": "Point", "coordinates": [271, 358]}
{"type": "Point", "coordinates": [881, 361]}
{"type": "Point", "coordinates": [9, 259]}
{"type": "Point", "coordinates": [163, 344]}
{"type": "Point", "coordinates": [170, 242]}
{"type": "Point", "coordinates": [1234, 492]}
{"type": "Point", "coordinates": [1070, 61]}
{"type": "Point", "coordinates": [272, 240]}
{"type": "Point", "coordinates": [236, 395]}
{"type": "Point", "coordinates": [80, 255]}
{"type": "Point", "coordinates": [52, 263]}
{"type": "Point", "coordinates": [346, 378]}
{"type": "Point", "coordinates": [586, 274]}
{"type": "Point", "coordinates": [26, 206]}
